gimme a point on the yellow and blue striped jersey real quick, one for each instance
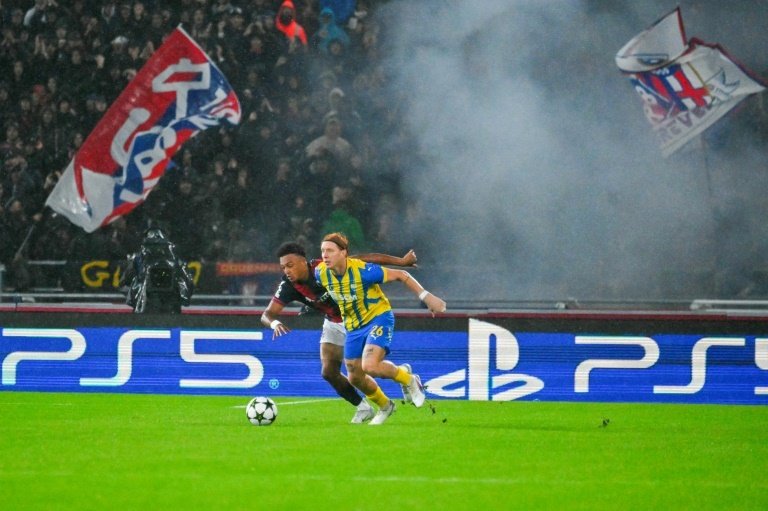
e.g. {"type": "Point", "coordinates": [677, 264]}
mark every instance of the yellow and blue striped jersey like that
{"type": "Point", "coordinates": [357, 291]}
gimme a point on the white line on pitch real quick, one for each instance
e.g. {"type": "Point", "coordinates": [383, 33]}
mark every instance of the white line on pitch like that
{"type": "Point", "coordinates": [506, 481]}
{"type": "Point", "coordinates": [305, 401]}
{"type": "Point", "coordinates": [24, 403]}
{"type": "Point", "coordinates": [423, 479]}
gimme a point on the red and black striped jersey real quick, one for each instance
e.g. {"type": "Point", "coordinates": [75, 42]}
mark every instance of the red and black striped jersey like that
{"type": "Point", "coordinates": [310, 293]}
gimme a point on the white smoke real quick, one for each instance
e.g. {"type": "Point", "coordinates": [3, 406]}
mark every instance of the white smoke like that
{"type": "Point", "coordinates": [543, 179]}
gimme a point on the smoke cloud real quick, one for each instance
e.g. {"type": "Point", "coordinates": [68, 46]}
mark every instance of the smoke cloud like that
{"type": "Point", "coordinates": [537, 172]}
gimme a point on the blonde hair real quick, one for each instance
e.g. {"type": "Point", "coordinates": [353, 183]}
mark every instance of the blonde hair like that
{"type": "Point", "coordinates": [339, 239]}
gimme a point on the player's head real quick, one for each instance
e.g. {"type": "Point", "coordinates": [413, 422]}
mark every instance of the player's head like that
{"type": "Point", "coordinates": [291, 247]}
{"type": "Point", "coordinates": [293, 261]}
{"type": "Point", "coordinates": [334, 248]}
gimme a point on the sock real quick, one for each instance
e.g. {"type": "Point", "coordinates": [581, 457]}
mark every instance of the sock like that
{"type": "Point", "coordinates": [363, 404]}
{"type": "Point", "coordinates": [379, 397]}
{"type": "Point", "coordinates": [402, 377]}
{"type": "Point", "coordinates": [348, 392]}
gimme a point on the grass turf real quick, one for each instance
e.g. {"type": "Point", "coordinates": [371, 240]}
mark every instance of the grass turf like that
{"type": "Point", "coordinates": [105, 451]}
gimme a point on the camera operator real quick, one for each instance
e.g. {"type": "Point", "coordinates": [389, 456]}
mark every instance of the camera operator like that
{"type": "Point", "coordinates": [158, 280]}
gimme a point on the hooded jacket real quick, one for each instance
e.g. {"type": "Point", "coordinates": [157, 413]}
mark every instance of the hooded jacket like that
{"type": "Point", "coordinates": [329, 31]}
{"type": "Point", "coordinates": [291, 29]}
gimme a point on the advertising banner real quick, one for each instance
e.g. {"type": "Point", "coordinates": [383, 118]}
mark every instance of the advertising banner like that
{"type": "Point", "coordinates": [484, 362]}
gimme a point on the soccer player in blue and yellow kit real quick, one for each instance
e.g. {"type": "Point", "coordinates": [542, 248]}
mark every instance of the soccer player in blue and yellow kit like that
{"type": "Point", "coordinates": [298, 284]}
{"type": "Point", "coordinates": [370, 323]}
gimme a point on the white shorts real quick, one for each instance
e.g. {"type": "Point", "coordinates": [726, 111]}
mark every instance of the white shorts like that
{"type": "Point", "coordinates": [334, 333]}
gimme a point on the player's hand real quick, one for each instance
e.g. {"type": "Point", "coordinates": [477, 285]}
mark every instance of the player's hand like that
{"type": "Point", "coordinates": [279, 330]}
{"type": "Point", "coordinates": [410, 259]}
{"type": "Point", "coordinates": [435, 304]}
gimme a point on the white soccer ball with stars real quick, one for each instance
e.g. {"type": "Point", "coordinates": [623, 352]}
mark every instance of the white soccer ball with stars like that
{"type": "Point", "coordinates": [261, 411]}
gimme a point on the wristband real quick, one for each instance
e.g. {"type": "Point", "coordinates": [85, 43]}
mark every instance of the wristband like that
{"type": "Point", "coordinates": [274, 324]}
{"type": "Point", "coordinates": [423, 295]}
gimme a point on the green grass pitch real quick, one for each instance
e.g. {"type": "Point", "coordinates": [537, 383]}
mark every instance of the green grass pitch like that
{"type": "Point", "coordinates": [115, 451]}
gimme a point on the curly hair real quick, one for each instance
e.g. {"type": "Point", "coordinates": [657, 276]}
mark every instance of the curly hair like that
{"type": "Point", "coordinates": [291, 247]}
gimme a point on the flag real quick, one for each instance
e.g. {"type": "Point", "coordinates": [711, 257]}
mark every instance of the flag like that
{"type": "Point", "coordinates": [176, 94]}
{"type": "Point", "coordinates": [685, 86]}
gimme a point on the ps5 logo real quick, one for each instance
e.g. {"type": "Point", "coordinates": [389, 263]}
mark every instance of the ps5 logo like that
{"type": "Point", "coordinates": [125, 352]}
{"type": "Point", "coordinates": [477, 382]}
{"type": "Point", "coordinates": [650, 357]}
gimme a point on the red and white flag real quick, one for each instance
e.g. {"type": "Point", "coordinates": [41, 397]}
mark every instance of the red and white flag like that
{"type": "Point", "coordinates": [176, 94]}
{"type": "Point", "coordinates": [685, 86]}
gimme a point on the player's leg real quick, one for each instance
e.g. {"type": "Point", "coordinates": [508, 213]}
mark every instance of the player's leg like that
{"type": "Point", "coordinates": [376, 349]}
{"type": "Point", "coordinates": [331, 355]}
{"type": "Point", "coordinates": [353, 352]}
{"type": "Point", "coordinates": [375, 364]}
{"type": "Point", "coordinates": [371, 389]}
{"type": "Point", "coordinates": [377, 341]}
{"type": "Point", "coordinates": [359, 378]}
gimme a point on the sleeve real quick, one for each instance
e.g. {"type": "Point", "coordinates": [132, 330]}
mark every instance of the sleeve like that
{"type": "Point", "coordinates": [285, 293]}
{"type": "Point", "coordinates": [373, 274]}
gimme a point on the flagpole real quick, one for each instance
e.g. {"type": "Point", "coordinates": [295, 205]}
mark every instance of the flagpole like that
{"type": "Point", "coordinates": [18, 255]}
{"type": "Point", "coordinates": [708, 171]}
{"type": "Point", "coordinates": [705, 156]}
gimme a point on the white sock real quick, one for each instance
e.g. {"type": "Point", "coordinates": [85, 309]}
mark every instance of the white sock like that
{"type": "Point", "coordinates": [364, 405]}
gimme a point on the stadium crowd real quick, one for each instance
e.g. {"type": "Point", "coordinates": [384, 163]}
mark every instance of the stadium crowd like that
{"type": "Point", "coordinates": [306, 159]}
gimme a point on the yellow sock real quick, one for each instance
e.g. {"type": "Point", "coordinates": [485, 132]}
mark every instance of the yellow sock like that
{"type": "Point", "coordinates": [378, 397]}
{"type": "Point", "coordinates": [402, 377]}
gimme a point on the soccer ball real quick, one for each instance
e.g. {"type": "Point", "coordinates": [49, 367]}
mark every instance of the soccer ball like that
{"type": "Point", "coordinates": [261, 411]}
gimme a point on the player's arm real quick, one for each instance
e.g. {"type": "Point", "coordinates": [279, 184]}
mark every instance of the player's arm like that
{"type": "Point", "coordinates": [409, 259]}
{"type": "Point", "coordinates": [434, 303]}
{"type": "Point", "coordinates": [269, 319]}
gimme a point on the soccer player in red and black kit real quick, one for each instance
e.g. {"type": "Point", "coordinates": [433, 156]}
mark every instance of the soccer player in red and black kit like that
{"type": "Point", "coordinates": [299, 285]}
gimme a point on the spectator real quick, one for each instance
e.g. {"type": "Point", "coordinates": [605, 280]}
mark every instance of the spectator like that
{"type": "Point", "coordinates": [157, 29]}
{"type": "Point", "coordinates": [200, 27]}
{"type": "Point", "coordinates": [263, 141]}
{"type": "Point", "coordinates": [38, 17]}
{"type": "Point", "coordinates": [342, 220]}
{"type": "Point", "coordinates": [280, 190]}
{"type": "Point", "coordinates": [12, 145]}
{"type": "Point", "coordinates": [331, 141]}
{"type": "Point", "coordinates": [260, 8]}
{"type": "Point", "coordinates": [328, 32]}
{"type": "Point", "coordinates": [15, 27]}
{"type": "Point", "coordinates": [19, 82]}
{"type": "Point", "coordinates": [139, 22]}
{"type": "Point", "coordinates": [314, 184]}
{"type": "Point", "coordinates": [107, 19]}
{"type": "Point", "coordinates": [286, 23]}
{"type": "Point", "coordinates": [342, 9]}
{"type": "Point", "coordinates": [4, 97]}
{"type": "Point", "coordinates": [240, 197]}
{"type": "Point", "coordinates": [340, 106]}
{"type": "Point", "coordinates": [66, 118]}
{"type": "Point", "coordinates": [16, 222]}
{"type": "Point", "coordinates": [185, 218]}
{"type": "Point", "coordinates": [123, 23]}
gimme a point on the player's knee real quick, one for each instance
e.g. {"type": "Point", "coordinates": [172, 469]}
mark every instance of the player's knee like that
{"type": "Point", "coordinates": [372, 367]}
{"type": "Point", "coordinates": [355, 375]}
{"type": "Point", "coordinates": [329, 372]}
{"type": "Point", "coordinates": [356, 379]}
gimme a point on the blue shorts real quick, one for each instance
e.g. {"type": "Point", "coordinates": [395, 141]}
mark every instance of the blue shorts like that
{"type": "Point", "coordinates": [379, 332]}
